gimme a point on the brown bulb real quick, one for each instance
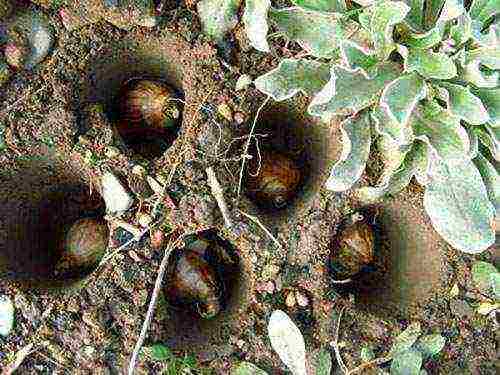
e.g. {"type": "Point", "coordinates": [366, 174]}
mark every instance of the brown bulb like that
{"type": "Point", "coordinates": [147, 103]}
{"type": "Point", "coordinates": [353, 250]}
{"type": "Point", "coordinates": [277, 182]}
{"type": "Point", "coordinates": [195, 283]}
{"type": "Point", "coordinates": [84, 245]}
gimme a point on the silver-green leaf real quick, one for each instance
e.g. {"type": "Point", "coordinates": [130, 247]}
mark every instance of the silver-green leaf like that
{"type": "Point", "coordinates": [442, 131]}
{"type": "Point", "coordinates": [350, 91]}
{"type": "Point", "coordinates": [328, 6]}
{"type": "Point", "coordinates": [218, 17]}
{"type": "Point", "coordinates": [355, 56]}
{"type": "Point", "coordinates": [481, 272]}
{"type": "Point", "coordinates": [293, 76]}
{"type": "Point", "coordinates": [402, 95]}
{"type": "Point", "coordinates": [317, 33]}
{"type": "Point", "coordinates": [465, 105]}
{"type": "Point", "coordinates": [491, 101]}
{"type": "Point", "coordinates": [356, 140]}
{"type": "Point", "coordinates": [431, 64]}
{"type": "Point", "coordinates": [482, 10]}
{"type": "Point", "coordinates": [255, 21]}
{"type": "Point", "coordinates": [406, 339]}
{"type": "Point", "coordinates": [384, 16]}
{"type": "Point", "coordinates": [407, 363]}
{"type": "Point", "coordinates": [457, 203]}
{"type": "Point", "coordinates": [322, 362]}
{"type": "Point", "coordinates": [247, 368]}
{"type": "Point", "coordinates": [491, 179]}
{"type": "Point", "coordinates": [430, 345]}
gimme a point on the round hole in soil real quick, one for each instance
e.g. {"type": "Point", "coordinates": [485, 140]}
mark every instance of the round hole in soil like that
{"type": "Point", "coordinates": [39, 204]}
{"type": "Point", "coordinates": [294, 151]}
{"type": "Point", "coordinates": [203, 289]}
{"type": "Point", "coordinates": [141, 92]}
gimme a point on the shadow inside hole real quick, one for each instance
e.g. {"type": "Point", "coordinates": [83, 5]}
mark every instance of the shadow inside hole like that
{"type": "Point", "coordinates": [185, 326]}
{"type": "Point", "coordinates": [131, 61]}
{"type": "Point", "coordinates": [285, 133]}
{"type": "Point", "coordinates": [35, 218]}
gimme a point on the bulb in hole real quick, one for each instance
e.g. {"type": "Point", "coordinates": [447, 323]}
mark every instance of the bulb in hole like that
{"type": "Point", "coordinates": [277, 181]}
{"type": "Point", "coordinates": [83, 246]}
{"type": "Point", "coordinates": [353, 250]}
{"type": "Point", "coordinates": [148, 103]}
{"type": "Point", "coordinates": [195, 283]}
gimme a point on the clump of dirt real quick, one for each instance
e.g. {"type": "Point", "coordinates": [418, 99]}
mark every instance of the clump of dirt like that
{"type": "Point", "coordinates": [58, 142]}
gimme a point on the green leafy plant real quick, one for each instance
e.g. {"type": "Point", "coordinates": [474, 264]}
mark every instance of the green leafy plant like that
{"type": "Point", "coordinates": [174, 365]}
{"type": "Point", "coordinates": [418, 79]}
{"type": "Point", "coordinates": [486, 279]}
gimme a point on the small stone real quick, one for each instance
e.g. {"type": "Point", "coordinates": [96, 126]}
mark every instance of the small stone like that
{"type": "Point", "coordinates": [461, 309]}
{"type": "Point", "coordinates": [144, 220]}
{"type": "Point", "coordinates": [139, 170]}
{"type": "Point", "coordinates": [134, 256]}
{"type": "Point", "coordinates": [290, 300]}
{"type": "Point", "coordinates": [454, 291]}
{"type": "Point", "coordinates": [112, 152]}
{"type": "Point", "coordinates": [225, 111]}
{"type": "Point", "coordinates": [239, 118]}
{"type": "Point", "coordinates": [116, 197]}
{"type": "Point", "coordinates": [301, 299]}
{"type": "Point", "coordinates": [6, 315]}
{"type": "Point", "coordinates": [243, 82]}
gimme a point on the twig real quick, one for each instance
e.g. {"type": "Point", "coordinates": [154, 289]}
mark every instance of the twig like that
{"type": "Point", "coordinates": [335, 345]}
{"type": "Point", "coordinates": [375, 362]}
{"type": "Point", "coordinates": [247, 145]}
{"type": "Point", "coordinates": [152, 305]}
{"type": "Point", "coordinates": [218, 194]}
{"type": "Point", "coordinates": [262, 226]}
{"type": "Point", "coordinates": [18, 359]}
{"type": "Point", "coordinates": [346, 281]}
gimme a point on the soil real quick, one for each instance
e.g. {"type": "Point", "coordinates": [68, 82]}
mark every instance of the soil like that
{"type": "Point", "coordinates": [57, 147]}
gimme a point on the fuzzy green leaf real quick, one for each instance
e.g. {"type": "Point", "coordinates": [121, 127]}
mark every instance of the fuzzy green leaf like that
{"type": "Point", "coordinates": [490, 139]}
{"type": "Point", "coordinates": [491, 179]}
{"type": "Point", "coordinates": [401, 134]}
{"type": "Point", "coordinates": [474, 142]}
{"type": "Point", "coordinates": [218, 17]}
{"type": "Point", "coordinates": [356, 140]}
{"type": "Point", "coordinates": [490, 38]}
{"type": "Point", "coordinates": [461, 31]}
{"type": "Point", "coordinates": [472, 72]}
{"type": "Point", "coordinates": [465, 105]}
{"type": "Point", "coordinates": [430, 64]}
{"type": "Point", "coordinates": [294, 76]}
{"type": "Point", "coordinates": [355, 56]}
{"type": "Point", "coordinates": [482, 10]}
{"type": "Point", "coordinates": [430, 345]}
{"type": "Point", "coordinates": [481, 272]}
{"type": "Point", "coordinates": [495, 284]}
{"type": "Point", "coordinates": [366, 354]}
{"type": "Point", "coordinates": [384, 16]}
{"type": "Point", "coordinates": [406, 363]}
{"type": "Point", "coordinates": [322, 362]}
{"type": "Point", "coordinates": [442, 131]}
{"type": "Point", "coordinates": [415, 17]}
{"type": "Point", "coordinates": [451, 9]}
{"type": "Point", "coordinates": [406, 339]}
{"type": "Point", "coordinates": [432, 9]}
{"type": "Point", "coordinates": [487, 56]}
{"type": "Point", "coordinates": [255, 21]}
{"type": "Point", "coordinates": [247, 368]}
{"type": "Point", "coordinates": [457, 203]}
{"type": "Point", "coordinates": [318, 33]}
{"type": "Point", "coordinates": [6, 315]}
{"type": "Point", "coordinates": [424, 40]}
{"type": "Point", "coordinates": [491, 100]}
{"type": "Point", "coordinates": [328, 6]}
{"type": "Point", "coordinates": [396, 178]}
{"type": "Point", "coordinates": [402, 95]}
{"type": "Point", "coordinates": [349, 91]}
{"type": "Point", "coordinates": [158, 352]}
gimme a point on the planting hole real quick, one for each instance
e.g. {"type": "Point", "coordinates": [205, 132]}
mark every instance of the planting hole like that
{"type": "Point", "coordinates": [39, 205]}
{"type": "Point", "coordinates": [202, 289]}
{"type": "Point", "coordinates": [288, 162]}
{"type": "Point", "coordinates": [140, 91]}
